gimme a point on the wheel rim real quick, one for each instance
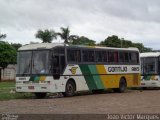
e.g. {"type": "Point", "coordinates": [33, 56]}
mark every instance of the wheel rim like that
{"type": "Point", "coordinates": [70, 88]}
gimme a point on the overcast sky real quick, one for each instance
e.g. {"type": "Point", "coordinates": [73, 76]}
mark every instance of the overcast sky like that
{"type": "Point", "coordinates": [136, 20]}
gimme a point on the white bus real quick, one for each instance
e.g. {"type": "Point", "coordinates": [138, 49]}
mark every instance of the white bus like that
{"type": "Point", "coordinates": [52, 68]}
{"type": "Point", "coordinates": [150, 69]}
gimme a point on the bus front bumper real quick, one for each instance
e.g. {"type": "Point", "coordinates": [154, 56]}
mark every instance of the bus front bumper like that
{"type": "Point", "coordinates": [150, 83]}
{"type": "Point", "coordinates": [33, 88]}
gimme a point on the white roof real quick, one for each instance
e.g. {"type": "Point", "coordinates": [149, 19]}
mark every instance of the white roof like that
{"type": "Point", "coordinates": [110, 48]}
{"type": "Point", "coordinates": [40, 46]}
{"type": "Point", "coordinates": [150, 54]}
{"type": "Point", "coordinates": [51, 45]}
{"type": "Point", "coordinates": [130, 48]}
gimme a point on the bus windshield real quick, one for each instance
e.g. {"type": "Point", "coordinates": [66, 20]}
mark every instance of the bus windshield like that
{"type": "Point", "coordinates": [149, 65]}
{"type": "Point", "coordinates": [33, 62]}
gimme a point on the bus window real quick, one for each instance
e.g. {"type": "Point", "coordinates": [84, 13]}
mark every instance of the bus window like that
{"type": "Point", "coordinates": [126, 57]}
{"type": "Point", "coordinates": [133, 57]}
{"type": "Point", "coordinates": [88, 55]}
{"type": "Point", "coordinates": [40, 62]}
{"type": "Point", "coordinates": [123, 57]}
{"type": "Point", "coordinates": [59, 50]}
{"type": "Point", "coordinates": [73, 55]}
{"type": "Point", "coordinates": [100, 56]}
{"type": "Point", "coordinates": [113, 56]}
{"type": "Point", "coordinates": [150, 65]}
{"type": "Point", "coordinates": [24, 60]}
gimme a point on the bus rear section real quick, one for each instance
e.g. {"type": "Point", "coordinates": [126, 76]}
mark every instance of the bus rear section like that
{"type": "Point", "coordinates": [150, 69]}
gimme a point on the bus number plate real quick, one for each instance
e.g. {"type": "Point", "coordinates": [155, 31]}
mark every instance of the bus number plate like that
{"type": "Point", "coordinates": [30, 87]}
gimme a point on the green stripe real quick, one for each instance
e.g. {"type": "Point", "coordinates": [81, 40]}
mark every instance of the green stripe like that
{"type": "Point", "coordinates": [96, 77]}
{"type": "Point", "coordinates": [88, 77]}
{"type": "Point", "coordinates": [93, 81]}
{"type": "Point", "coordinates": [34, 78]}
{"type": "Point", "coordinates": [147, 77]}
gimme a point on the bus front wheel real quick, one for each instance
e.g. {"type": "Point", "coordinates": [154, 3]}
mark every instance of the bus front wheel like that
{"type": "Point", "coordinates": [70, 89]}
{"type": "Point", "coordinates": [40, 95]}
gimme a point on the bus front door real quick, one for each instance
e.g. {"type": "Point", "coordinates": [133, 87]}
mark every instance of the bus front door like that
{"type": "Point", "coordinates": [58, 66]}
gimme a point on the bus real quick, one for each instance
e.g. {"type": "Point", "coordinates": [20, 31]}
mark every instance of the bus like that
{"type": "Point", "coordinates": [150, 69]}
{"type": "Point", "coordinates": [58, 68]}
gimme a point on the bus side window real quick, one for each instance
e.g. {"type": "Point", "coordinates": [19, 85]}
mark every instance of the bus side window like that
{"type": "Point", "coordinates": [134, 57]}
{"type": "Point", "coordinates": [100, 56]}
{"type": "Point", "coordinates": [121, 56]}
{"type": "Point", "coordinates": [73, 55]}
{"type": "Point", "coordinates": [126, 57]}
{"type": "Point", "coordinates": [88, 55]}
{"type": "Point", "coordinates": [113, 56]}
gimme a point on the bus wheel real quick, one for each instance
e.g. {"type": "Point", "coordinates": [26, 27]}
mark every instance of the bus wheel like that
{"type": "Point", "coordinates": [40, 95]}
{"type": "Point", "coordinates": [122, 86]}
{"type": "Point", "coordinates": [70, 89]}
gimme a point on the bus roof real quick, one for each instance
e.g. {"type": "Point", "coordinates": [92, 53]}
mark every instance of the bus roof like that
{"type": "Point", "coordinates": [150, 54]}
{"type": "Point", "coordinates": [52, 45]}
{"type": "Point", "coordinates": [40, 46]}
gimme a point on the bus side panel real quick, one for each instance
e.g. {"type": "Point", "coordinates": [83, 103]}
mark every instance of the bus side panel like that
{"type": "Point", "coordinates": [74, 72]}
{"type": "Point", "coordinates": [112, 80]}
{"type": "Point", "coordinates": [109, 81]}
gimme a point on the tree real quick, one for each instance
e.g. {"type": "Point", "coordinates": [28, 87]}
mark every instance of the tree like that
{"type": "Point", "coordinates": [83, 41]}
{"type": "Point", "coordinates": [7, 55]}
{"type": "Point", "coordinates": [46, 36]}
{"type": "Point", "coordinates": [111, 41]}
{"type": "Point", "coordinates": [114, 41]}
{"type": "Point", "coordinates": [16, 45]}
{"type": "Point", "coordinates": [65, 35]}
{"type": "Point", "coordinates": [2, 36]}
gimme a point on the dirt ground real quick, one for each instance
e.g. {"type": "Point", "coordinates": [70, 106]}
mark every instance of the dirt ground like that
{"type": "Point", "coordinates": [133, 101]}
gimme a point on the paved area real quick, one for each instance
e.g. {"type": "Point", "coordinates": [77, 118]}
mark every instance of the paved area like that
{"type": "Point", "coordinates": [134, 101]}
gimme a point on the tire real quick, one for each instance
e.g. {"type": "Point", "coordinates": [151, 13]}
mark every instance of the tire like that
{"type": "Point", "coordinates": [69, 90]}
{"type": "Point", "coordinates": [122, 86]}
{"type": "Point", "coordinates": [40, 95]}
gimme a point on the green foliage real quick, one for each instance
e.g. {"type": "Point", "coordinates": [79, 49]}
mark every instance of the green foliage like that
{"type": "Point", "coordinates": [114, 41]}
{"type": "Point", "coordinates": [7, 92]}
{"type": "Point", "coordinates": [46, 36]}
{"type": "Point", "coordinates": [7, 54]}
{"type": "Point", "coordinates": [2, 36]}
{"type": "Point", "coordinates": [16, 45]}
{"type": "Point", "coordinates": [83, 41]}
{"type": "Point", "coordinates": [111, 41]}
{"type": "Point", "coordinates": [65, 35]}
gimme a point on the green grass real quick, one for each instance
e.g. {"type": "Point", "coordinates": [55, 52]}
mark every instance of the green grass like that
{"type": "Point", "coordinates": [7, 92]}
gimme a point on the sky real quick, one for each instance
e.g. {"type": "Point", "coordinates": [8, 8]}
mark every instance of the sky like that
{"type": "Point", "coordinates": [135, 20]}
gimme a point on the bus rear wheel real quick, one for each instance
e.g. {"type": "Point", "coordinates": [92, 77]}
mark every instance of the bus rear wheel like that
{"type": "Point", "coordinates": [40, 95]}
{"type": "Point", "coordinates": [69, 90]}
{"type": "Point", "coordinates": [122, 86]}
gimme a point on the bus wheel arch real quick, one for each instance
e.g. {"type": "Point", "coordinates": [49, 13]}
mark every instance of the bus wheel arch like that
{"type": "Point", "coordinates": [70, 88]}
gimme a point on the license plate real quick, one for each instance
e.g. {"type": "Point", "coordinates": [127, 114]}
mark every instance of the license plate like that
{"type": "Point", "coordinates": [30, 87]}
